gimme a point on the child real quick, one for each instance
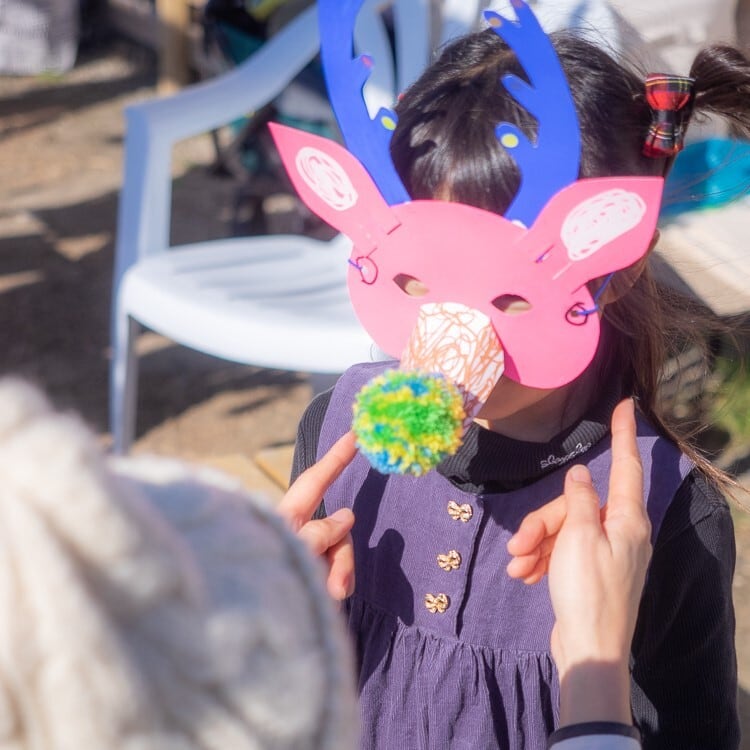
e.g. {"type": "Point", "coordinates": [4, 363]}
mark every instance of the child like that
{"type": "Point", "coordinates": [453, 652]}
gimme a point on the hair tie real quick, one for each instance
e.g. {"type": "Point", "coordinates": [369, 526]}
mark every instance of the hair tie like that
{"type": "Point", "coordinates": [670, 98]}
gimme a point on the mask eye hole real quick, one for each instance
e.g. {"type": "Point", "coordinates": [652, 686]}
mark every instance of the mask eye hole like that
{"type": "Point", "coordinates": [512, 304]}
{"type": "Point", "coordinates": [411, 285]}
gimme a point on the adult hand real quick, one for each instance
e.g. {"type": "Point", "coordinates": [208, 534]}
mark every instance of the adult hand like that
{"type": "Point", "coordinates": [532, 544]}
{"type": "Point", "coordinates": [596, 560]}
{"type": "Point", "coordinates": [329, 537]}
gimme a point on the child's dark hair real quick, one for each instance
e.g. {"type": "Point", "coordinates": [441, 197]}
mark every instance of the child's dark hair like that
{"type": "Point", "coordinates": [445, 147]}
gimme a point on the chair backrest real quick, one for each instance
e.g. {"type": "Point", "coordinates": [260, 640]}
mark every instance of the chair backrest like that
{"type": "Point", "coordinates": [154, 126]}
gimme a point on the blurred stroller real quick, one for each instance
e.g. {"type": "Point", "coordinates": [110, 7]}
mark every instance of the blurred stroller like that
{"type": "Point", "coordinates": [264, 202]}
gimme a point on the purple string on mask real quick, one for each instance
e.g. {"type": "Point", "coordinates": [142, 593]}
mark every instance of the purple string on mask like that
{"type": "Point", "coordinates": [595, 297]}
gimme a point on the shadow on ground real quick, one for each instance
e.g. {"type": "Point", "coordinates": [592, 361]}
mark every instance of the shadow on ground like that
{"type": "Point", "coordinates": [55, 303]}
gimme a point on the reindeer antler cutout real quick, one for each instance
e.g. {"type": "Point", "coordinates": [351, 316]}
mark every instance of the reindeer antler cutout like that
{"type": "Point", "coordinates": [552, 162]}
{"type": "Point", "coordinates": [368, 139]}
{"type": "Point", "coordinates": [547, 165]}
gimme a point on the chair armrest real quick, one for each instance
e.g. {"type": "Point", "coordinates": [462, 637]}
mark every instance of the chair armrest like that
{"type": "Point", "coordinates": [152, 128]}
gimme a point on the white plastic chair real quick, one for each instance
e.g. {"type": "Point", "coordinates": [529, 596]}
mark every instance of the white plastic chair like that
{"type": "Point", "coordinates": [272, 301]}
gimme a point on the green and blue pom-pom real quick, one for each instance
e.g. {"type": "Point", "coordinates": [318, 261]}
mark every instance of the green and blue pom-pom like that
{"type": "Point", "coordinates": [406, 422]}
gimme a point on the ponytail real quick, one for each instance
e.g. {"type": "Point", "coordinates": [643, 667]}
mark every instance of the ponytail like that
{"type": "Point", "coordinates": [722, 86]}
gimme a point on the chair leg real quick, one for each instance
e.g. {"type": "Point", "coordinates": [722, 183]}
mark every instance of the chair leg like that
{"type": "Point", "coordinates": [123, 386]}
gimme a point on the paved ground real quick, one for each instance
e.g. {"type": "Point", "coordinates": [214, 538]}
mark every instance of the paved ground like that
{"type": "Point", "coordinates": [60, 169]}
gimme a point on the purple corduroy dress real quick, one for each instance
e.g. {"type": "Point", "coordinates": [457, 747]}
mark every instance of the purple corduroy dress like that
{"type": "Point", "coordinates": [453, 653]}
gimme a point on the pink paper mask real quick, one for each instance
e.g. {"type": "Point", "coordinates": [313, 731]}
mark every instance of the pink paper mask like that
{"type": "Point", "coordinates": [434, 252]}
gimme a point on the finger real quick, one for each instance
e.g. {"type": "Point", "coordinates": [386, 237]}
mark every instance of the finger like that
{"type": "Point", "coordinates": [540, 570]}
{"type": "Point", "coordinates": [341, 569]}
{"type": "Point", "coordinates": [536, 526]}
{"type": "Point", "coordinates": [520, 567]}
{"type": "Point", "coordinates": [582, 502]}
{"type": "Point", "coordinates": [523, 565]}
{"type": "Point", "coordinates": [306, 493]}
{"type": "Point", "coordinates": [320, 536]}
{"type": "Point", "coordinates": [626, 478]}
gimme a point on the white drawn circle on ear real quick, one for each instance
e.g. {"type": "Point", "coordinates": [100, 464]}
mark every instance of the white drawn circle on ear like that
{"type": "Point", "coordinates": [326, 178]}
{"type": "Point", "coordinates": [600, 219]}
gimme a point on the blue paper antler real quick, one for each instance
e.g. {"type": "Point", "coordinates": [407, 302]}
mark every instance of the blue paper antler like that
{"type": "Point", "coordinates": [368, 139]}
{"type": "Point", "coordinates": [546, 165]}
{"type": "Point", "coordinates": [552, 162]}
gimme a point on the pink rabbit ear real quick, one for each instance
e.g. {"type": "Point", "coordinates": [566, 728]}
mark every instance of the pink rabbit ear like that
{"type": "Point", "coordinates": [603, 225]}
{"type": "Point", "coordinates": [334, 185]}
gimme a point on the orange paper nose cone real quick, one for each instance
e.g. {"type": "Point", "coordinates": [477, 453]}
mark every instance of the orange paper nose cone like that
{"type": "Point", "coordinates": [459, 343]}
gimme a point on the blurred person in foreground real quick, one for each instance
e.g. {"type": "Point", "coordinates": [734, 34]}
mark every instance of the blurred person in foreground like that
{"type": "Point", "coordinates": [152, 605]}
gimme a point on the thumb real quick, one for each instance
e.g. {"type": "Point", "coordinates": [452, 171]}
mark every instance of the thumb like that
{"type": "Point", "coordinates": [581, 500]}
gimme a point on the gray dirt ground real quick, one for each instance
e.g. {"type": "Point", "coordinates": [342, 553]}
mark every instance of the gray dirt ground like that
{"type": "Point", "coordinates": [60, 170]}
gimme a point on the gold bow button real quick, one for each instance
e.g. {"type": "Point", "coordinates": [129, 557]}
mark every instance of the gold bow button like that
{"type": "Point", "coordinates": [460, 512]}
{"type": "Point", "coordinates": [436, 603]}
{"type": "Point", "coordinates": [450, 561]}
